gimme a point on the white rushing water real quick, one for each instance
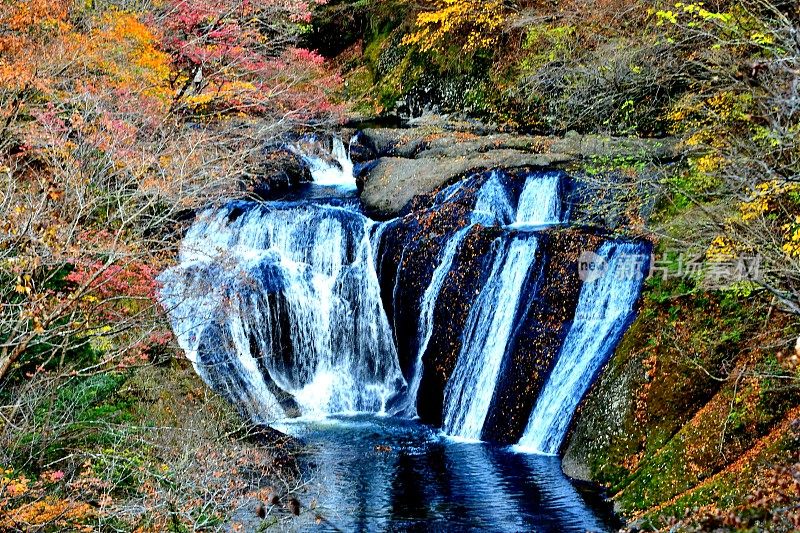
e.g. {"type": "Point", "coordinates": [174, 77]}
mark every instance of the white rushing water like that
{"type": "Point", "coordinates": [335, 171]}
{"type": "Point", "coordinates": [426, 309]}
{"type": "Point", "coordinates": [284, 298]}
{"type": "Point", "coordinates": [605, 307]}
{"type": "Point", "coordinates": [540, 201]}
{"type": "Point", "coordinates": [279, 306]}
{"type": "Point", "coordinates": [486, 337]}
{"type": "Point", "coordinates": [492, 207]}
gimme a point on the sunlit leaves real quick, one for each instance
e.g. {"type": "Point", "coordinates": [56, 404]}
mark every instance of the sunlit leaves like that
{"type": "Point", "coordinates": [472, 24]}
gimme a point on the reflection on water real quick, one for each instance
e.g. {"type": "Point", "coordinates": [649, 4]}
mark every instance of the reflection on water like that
{"type": "Point", "coordinates": [385, 474]}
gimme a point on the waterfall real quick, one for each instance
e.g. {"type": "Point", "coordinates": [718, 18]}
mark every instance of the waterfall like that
{"type": "Point", "coordinates": [377, 231]}
{"type": "Point", "coordinates": [486, 337]}
{"type": "Point", "coordinates": [280, 306]}
{"type": "Point", "coordinates": [426, 308]}
{"type": "Point", "coordinates": [492, 207]}
{"type": "Point", "coordinates": [540, 200]}
{"type": "Point", "coordinates": [294, 286]}
{"type": "Point", "coordinates": [333, 171]}
{"type": "Point", "coordinates": [605, 308]}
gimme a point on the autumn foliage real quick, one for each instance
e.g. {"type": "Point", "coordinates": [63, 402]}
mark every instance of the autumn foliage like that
{"type": "Point", "coordinates": [239, 57]}
{"type": "Point", "coordinates": [117, 119]}
{"type": "Point", "coordinates": [111, 122]}
{"type": "Point", "coordinates": [469, 24]}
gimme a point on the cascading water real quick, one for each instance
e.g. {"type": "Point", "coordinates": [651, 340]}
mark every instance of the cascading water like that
{"type": "Point", "coordinates": [540, 201]}
{"type": "Point", "coordinates": [282, 308]}
{"type": "Point", "coordinates": [279, 305]}
{"type": "Point", "coordinates": [470, 389]}
{"type": "Point", "coordinates": [334, 171]}
{"type": "Point", "coordinates": [425, 328]}
{"type": "Point", "coordinates": [605, 308]}
{"type": "Point", "coordinates": [294, 286]}
{"type": "Point", "coordinates": [492, 207]}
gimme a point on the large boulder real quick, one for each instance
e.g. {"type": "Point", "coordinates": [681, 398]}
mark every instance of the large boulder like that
{"type": "Point", "coordinates": [637, 148]}
{"type": "Point", "coordinates": [392, 182]}
{"type": "Point", "coordinates": [416, 160]}
{"type": "Point", "coordinates": [280, 169]}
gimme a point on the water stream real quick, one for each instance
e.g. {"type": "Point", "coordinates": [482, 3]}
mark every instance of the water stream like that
{"type": "Point", "coordinates": [284, 308]}
{"type": "Point", "coordinates": [395, 474]}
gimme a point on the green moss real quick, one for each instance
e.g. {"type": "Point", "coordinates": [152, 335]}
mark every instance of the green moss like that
{"type": "Point", "coordinates": [657, 478]}
{"type": "Point", "coordinates": [688, 185]}
{"type": "Point", "coordinates": [598, 164]}
{"type": "Point", "coordinates": [543, 44]}
{"type": "Point", "coordinates": [682, 338]}
{"type": "Point", "coordinates": [729, 489]}
{"type": "Point", "coordinates": [83, 413]}
{"type": "Point", "coordinates": [397, 81]}
{"type": "Point", "coordinates": [358, 88]}
{"type": "Point", "coordinates": [374, 47]}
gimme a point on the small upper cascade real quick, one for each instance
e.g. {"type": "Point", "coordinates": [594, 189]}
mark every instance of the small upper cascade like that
{"type": "Point", "coordinates": [488, 332]}
{"type": "Point", "coordinates": [282, 300]}
{"type": "Point", "coordinates": [533, 198]}
{"type": "Point", "coordinates": [330, 170]}
{"type": "Point", "coordinates": [540, 202]}
{"type": "Point", "coordinates": [606, 306]}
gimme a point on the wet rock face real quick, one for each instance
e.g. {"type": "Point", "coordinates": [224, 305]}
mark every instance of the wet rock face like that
{"type": "Point", "coordinates": [407, 257]}
{"type": "Point", "coordinates": [281, 169]}
{"type": "Point", "coordinates": [409, 252]}
{"type": "Point", "coordinates": [362, 148]}
{"type": "Point", "coordinates": [655, 426]}
{"type": "Point", "coordinates": [468, 274]}
{"type": "Point", "coordinates": [602, 418]}
{"type": "Point", "coordinates": [548, 313]}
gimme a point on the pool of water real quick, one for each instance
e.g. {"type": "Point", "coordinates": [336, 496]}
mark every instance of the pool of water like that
{"type": "Point", "coordinates": [387, 474]}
